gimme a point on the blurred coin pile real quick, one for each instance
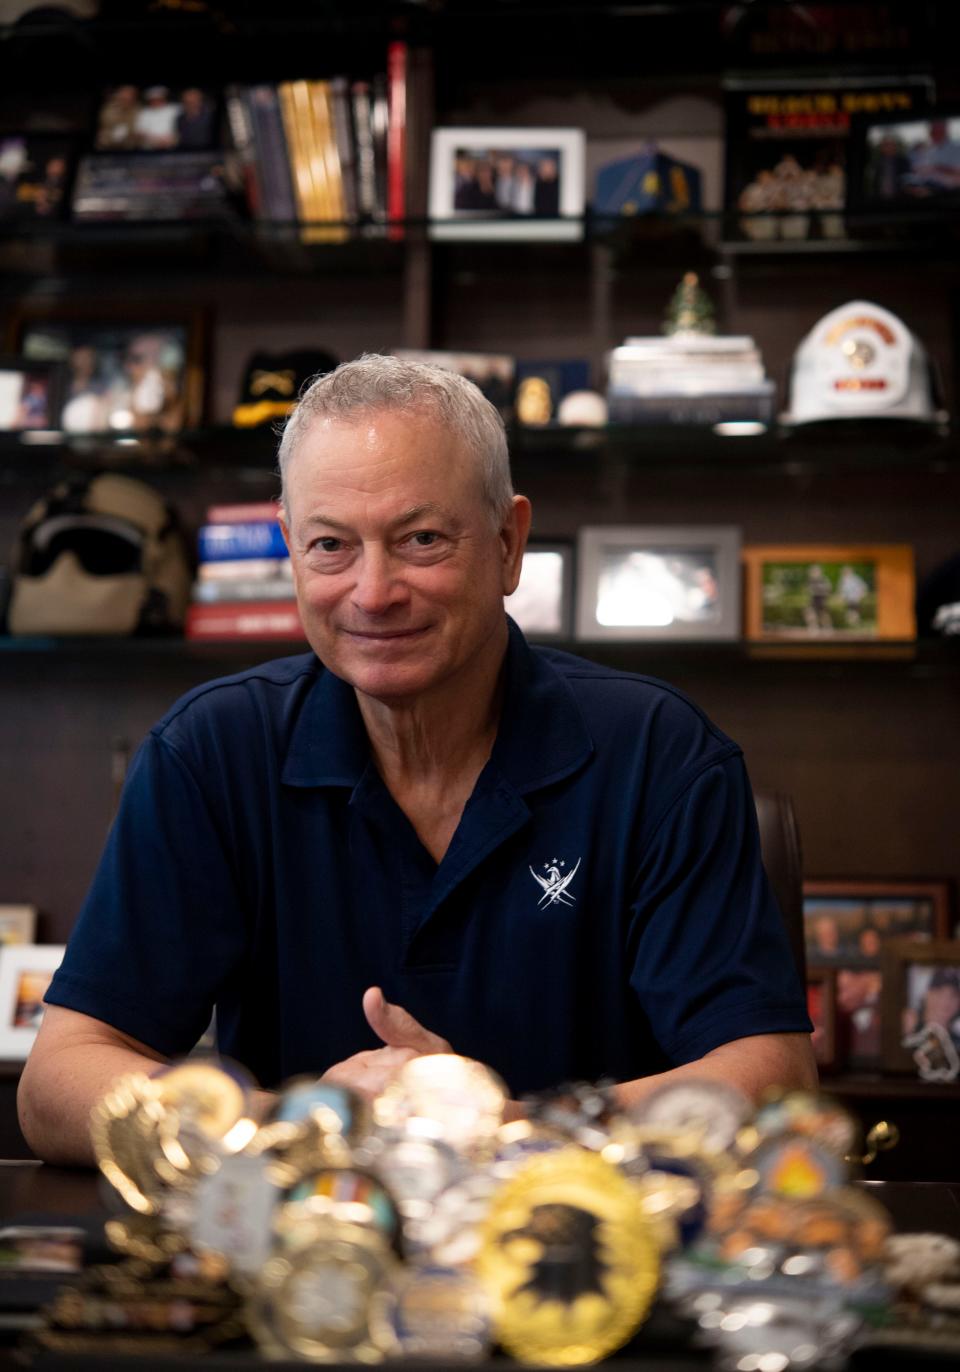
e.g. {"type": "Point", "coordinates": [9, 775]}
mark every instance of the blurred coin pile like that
{"type": "Point", "coordinates": [422, 1225]}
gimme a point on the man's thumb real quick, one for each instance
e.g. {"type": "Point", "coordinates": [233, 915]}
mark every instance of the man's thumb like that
{"type": "Point", "coordinates": [397, 1027]}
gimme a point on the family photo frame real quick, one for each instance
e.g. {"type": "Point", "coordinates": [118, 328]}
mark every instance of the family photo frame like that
{"type": "Point", "coordinates": [122, 372]}
{"type": "Point", "coordinates": [507, 183]}
{"type": "Point", "coordinates": [658, 582]}
{"type": "Point", "coordinates": [827, 593]}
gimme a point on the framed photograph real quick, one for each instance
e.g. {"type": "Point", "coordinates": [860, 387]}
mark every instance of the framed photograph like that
{"type": "Point", "coordinates": [847, 922]}
{"type": "Point", "coordinates": [157, 119]}
{"type": "Point", "coordinates": [31, 394]}
{"type": "Point", "coordinates": [507, 183]}
{"type": "Point", "coordinates": [905, 163]}
{"type": "Point", "coordinates": [830, 592]}
{"type": "Point", "coordinates": [821, 1007]}
{"type": "Point", "coordinates": [921, 1008]}
{"type": "Point", "coordinates": [18, 923]}
{"type": "Point", "coordinates": [542, 604]}
{"type": "Point", "coordinates": [34, 175]}
{"type": "Point", "coordinates": [492, 373]}
{"type": "Point", "coordinates": [859, 1017]}
{"type": "Point", "coordinates": [25, 973]}
{"type": "Point", "coordinates": [122, 374]}
{"type": "Point", "coordinates": [660, 582]}
{"type": "Point", "coordinates": [787, 148]}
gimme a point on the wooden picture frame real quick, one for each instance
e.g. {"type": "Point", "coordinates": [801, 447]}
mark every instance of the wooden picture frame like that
{"type": "Point", "coordinates": [128, 371]}
{"type": "Point", "coordinates": [908, 970]}
{"type": "Point", "coordinates": [542, 604]}
{"type": "Point", "coordinates": [492, 183]}
{"type": "Point", "coordinates": [829, 593]}
{"type": "Point", "coordinates": [658, 582]}
{"type": "Point", "coordinates": [846, 921]}
{"type": "Point", "coordinates": [25, 973]}
{"type": "Point", "coordinates": [822, 1009]}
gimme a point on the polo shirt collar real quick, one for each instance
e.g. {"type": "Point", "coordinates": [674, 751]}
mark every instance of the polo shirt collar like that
{"type": "Point", "coordinates": [542, 735]}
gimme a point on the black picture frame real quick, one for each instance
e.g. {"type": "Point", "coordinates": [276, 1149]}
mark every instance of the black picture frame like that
{"type": "Point", "coordinates": [543, 606]}
{"type": "Point", "coordinates": [898, 187]}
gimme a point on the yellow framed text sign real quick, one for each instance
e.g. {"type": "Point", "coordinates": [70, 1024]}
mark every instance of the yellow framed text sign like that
{"type": "Point", "coordinates": [829, 593]}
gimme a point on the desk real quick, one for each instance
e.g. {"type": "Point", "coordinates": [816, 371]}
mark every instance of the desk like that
{"type": "Point", "coordinates": [35, 1192]}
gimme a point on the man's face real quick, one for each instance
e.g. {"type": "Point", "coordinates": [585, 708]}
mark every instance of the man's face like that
{"type": "Point", "coordinates": [400, 574]}
{"type": "Point", "coordinates": [942, 1005]}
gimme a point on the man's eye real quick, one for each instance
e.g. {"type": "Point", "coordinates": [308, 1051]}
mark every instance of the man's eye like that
{"type": "Point", "coordinates": [424, 538]}
{"type": "Point", "coordinates": [328, 545]}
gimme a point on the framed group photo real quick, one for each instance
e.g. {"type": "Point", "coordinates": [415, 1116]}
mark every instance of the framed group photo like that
{"type": "Point", "coordinates": [907, 164]}
{"type": "Point", "coordinates": [123, 372]}
{"type": "Point", "coordinates": [848, 925]}
{"type": "Point", "coordinates": [507, 183]}
{"type": "Point", "coordinates": [830, 592]}
{"type": "Point", "coordinates": [31, 394]}
{"type": "Point", "coordinates": [658, 582]}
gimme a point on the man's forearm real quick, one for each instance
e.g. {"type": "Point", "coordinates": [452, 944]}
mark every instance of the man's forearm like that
{"type": "Point", "coordinates": [58, 1091]}
{"type": "Point", "coordinates": [750, 1064]}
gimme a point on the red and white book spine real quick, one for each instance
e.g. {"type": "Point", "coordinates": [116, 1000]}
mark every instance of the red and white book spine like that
{"type": "Point", "coordinates": [252, 619]}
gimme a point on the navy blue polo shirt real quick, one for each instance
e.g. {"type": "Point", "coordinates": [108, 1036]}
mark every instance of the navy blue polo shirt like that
{"type": "Point", "coordinates": [602, 909]}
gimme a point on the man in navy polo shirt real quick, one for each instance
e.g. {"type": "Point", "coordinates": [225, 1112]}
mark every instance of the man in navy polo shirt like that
{"type": "Point", "coordinates": [428, 835]}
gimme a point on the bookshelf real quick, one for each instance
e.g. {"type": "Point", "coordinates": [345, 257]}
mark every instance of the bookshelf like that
{"type": "Point", "coordinates": [868, 749]}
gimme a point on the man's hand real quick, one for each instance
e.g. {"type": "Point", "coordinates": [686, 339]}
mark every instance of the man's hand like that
{"type": "Point", "coordinates": [403, 1036]}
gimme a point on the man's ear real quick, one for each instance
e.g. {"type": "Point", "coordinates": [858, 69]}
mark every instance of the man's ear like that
{"type": "Point", "coordinates": [513, 537]}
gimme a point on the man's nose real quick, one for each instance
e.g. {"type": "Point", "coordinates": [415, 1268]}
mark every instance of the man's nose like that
{"type": "Point", "coordinates": [378, 586]}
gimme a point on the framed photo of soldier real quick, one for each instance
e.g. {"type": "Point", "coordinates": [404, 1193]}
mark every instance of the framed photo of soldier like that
{"type": "Point", "coordinates": [658, 582]}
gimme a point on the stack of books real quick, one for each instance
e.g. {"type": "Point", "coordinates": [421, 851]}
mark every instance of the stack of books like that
{"type": "Point", "coordinates": [326, 155]}
{"type": "Point", "coordinates": [688, 379]}
{"type": "Point", "coordinates": [244, 586]}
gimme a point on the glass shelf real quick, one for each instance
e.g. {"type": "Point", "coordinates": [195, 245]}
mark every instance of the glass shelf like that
{"type": "Point", "coordinates": [249, 454]}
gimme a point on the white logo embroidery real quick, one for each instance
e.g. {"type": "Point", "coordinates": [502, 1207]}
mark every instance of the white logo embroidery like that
{"type": "Point", "coordinates": [555, 883]}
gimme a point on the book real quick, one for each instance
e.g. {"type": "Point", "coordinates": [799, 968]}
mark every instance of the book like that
{"type": "Point", "coordinates": [327, 163]}
{"type": "Point", "coordinates": [365, 160]}
{"type": "Point", "coordinates": [272, 154]}
{"type": "Point", "coordinates": [716, 408]}
{"type": "Point", "coordinates": [225, 542]}
{"type": "Point", "coordinates": [135, 186]}
{"type": "Point", "coordinates": [246, 569]}
{"type": "Point", "coordinates": [245, 165]}
{"type": "Point", "coordinates": [343, 133]}
{"type": "Point", "coordinates": [233, 589]}
{"type": "Point", "coordinates": [396, 137]}
{"type": "Point", "coordinates": [256, 619]}
{"type": "Point", "coordinates": [244, 512]}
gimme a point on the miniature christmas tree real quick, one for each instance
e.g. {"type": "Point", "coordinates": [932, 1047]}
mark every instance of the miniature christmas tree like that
{"type": "Point", "coordinates": [690, 309]}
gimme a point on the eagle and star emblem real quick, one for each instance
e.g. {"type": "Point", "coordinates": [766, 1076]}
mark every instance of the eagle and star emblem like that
{"type": "Point", "coordinates": [555, 883]}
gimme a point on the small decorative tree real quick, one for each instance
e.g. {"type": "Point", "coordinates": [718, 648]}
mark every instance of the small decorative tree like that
{"type": "Point", "coordinates": [690, 309]}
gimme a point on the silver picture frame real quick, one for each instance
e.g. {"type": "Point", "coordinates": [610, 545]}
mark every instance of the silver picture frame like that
{"type": "Point", "coordinates": [657, 582]}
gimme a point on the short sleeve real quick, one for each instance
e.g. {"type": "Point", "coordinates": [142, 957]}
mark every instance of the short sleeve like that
{"type": "Point", "coordinates": [712, 959]}
{"type": "Point", "coordinates": [162, 928]}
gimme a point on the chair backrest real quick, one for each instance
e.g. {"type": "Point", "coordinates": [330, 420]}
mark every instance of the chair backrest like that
{"type": "Point", "coordinates": [783, 860]}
